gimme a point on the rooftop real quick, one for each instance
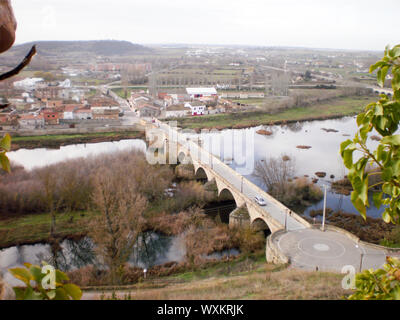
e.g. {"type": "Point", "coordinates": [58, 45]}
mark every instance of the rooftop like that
{"type": "Point", "coordinates": [201, 90]}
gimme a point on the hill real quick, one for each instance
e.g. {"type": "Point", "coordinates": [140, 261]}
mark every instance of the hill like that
{"type": "Point", "coordinates": [99, 48]}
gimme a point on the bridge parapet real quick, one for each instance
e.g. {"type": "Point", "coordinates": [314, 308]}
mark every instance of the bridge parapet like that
{"type": "Point", "coordinates": [202, 158]}
{"type": "Point", "coordinates": [247, 183]}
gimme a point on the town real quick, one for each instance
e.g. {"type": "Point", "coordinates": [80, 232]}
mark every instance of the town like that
{"type": "Point", "coordinates": [61, 95]}
{"type": "Point", "coordinates": [196, 151]}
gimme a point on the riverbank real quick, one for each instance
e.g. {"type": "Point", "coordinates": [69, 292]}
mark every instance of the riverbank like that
{"type": "Point", "coordinates": [336, 108]}
{"type": "Point", "coordinates": [248, 278]}
{"type": "Point", "coordinates": [35, 228]}
{"type": "Point", "coordinates": [58, 140]}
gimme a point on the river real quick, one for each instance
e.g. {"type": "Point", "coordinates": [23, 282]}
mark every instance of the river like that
{"type": "Point", "coordinates": [322, 156]}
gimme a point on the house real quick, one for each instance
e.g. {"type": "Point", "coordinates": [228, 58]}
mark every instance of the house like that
{"type": "Point", "coordinates": [8, 118]}
{"type": "Point", "coordinates": [162, 95]}
{"type": "Point", "coordinates": [168, 101]}
{"type": "Point", "coordinates": [196, 108]}
{"type": "Point", "coordinates": [101, 101]}
{"type": "Point", "coordinates": [31, 120]}
{"type": "Point", "coordinates": [196, 93]}
{"type": "Point", "coordinates": [148, 110]}
{"type": "Point", "coordinates": [51, 116]}
{"type": "Point", "coordinates": [137, 99]}
{"type": "Point", "coordinates": [83, 114]}
{"type": "Point", "coordinates": [47, 93]}
{"type": "Point", "coordinates": [69, 111]}
{"type": "Point", "coordinates": [178, 98]}
{"type": "Point", "coordinates": [175, 111]}
{"type": "Point", "coordinates": [54, 103]}
{"type": "Point", "coordinates": [105, 113]}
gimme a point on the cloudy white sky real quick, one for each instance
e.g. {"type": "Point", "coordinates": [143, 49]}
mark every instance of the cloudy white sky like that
{"type": "Point", "coordinates": [342, 24]}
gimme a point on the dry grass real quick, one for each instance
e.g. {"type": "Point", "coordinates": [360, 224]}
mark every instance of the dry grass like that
{"type": "Point", "coordinates": [259, 284]}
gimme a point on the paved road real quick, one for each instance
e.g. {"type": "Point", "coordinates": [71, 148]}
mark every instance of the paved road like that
{"type": "Point", "coordinates": [329, 251]}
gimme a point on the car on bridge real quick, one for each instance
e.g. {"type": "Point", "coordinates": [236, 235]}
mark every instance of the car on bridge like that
{"type": "Point", "coordinates": [260, 201]}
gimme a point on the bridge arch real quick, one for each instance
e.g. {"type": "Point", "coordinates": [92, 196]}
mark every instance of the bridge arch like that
{"type": "Point", "coordinates": [260, 224]}
{"type": "Point", "coordinates": [201, 174]}
{"type": "Point", "coordinates": [184, 158]}
{"type": "Point", "coordinates": [226, 195]}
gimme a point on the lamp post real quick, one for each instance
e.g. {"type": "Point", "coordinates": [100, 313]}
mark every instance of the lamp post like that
{"type": "Point", "coordinates": [324, 214]}
{"type": "Point", "coordinates": [286, 226]}
{"type": "Point", "coordinates": [361, 261]}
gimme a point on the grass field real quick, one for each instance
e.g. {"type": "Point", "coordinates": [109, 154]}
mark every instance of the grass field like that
{"type": "Point", "coordinates": [333, 108]}
{"type": "Point", "coordinates": [242, 279]}
{"type": "Point", "coordinates": [35, 228]}
{"type": "Point", "coordinates": [52, 141]}
{"type": "Point", "coordinates": [72, 136]}
{"type": "Point", "coordinates": [250, 101]}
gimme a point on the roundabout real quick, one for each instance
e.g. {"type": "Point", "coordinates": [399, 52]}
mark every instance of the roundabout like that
{"type": "Point", "coordinates": [313, 249]}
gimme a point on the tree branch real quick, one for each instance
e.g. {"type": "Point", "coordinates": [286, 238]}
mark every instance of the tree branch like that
{"type": "Point", "coordinates": [21, 66]}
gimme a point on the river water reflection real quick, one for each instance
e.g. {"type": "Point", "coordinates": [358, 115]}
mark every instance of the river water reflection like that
{"type": "Point", "coordinates": [323, 156]}
{"type": "Point", "coordinates": [154, 249]}
{"type": "Point", "coordinates": [324, 138]}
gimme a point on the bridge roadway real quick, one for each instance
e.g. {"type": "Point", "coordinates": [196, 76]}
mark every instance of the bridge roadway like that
{"type": "Point", "coordinates": [241, 184]}
{"type": "Point", "coordinates": [306, 247]}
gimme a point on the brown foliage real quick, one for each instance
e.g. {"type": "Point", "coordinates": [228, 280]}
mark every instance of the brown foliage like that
{"type": "Point", "coordinates": [175, 224]}
{"type": "Point", "coordinates": [372, 230]}
{"type": "Point", "coordinates": [120, 221]}
{"type": "Point", "coordinates": [67, 186]}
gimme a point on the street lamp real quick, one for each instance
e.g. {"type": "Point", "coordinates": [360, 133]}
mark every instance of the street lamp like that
{"type": "Point", "coordinates": [324, 215]}
{"type": "Point", "coordinates": [361, 261]}
{"type": "Point", "coordinates": [286, 216]}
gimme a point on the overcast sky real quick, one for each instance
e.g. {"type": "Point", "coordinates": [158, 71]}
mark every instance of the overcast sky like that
{"type": "Point", "coordinates": [342, 24]}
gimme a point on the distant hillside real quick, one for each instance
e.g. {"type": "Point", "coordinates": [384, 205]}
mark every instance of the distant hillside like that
{"type": "Point", "coordinates": [102, 48]}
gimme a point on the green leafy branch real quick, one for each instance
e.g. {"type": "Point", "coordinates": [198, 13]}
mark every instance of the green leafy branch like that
{"type": "Point", "coordinates": [382, 116]}
{"type": "Point", "coordinates": [32, 276]}
{"type": "Point", "coordinates": [382, 284]}
{"type": "Point", "coordinates": [5, 146]}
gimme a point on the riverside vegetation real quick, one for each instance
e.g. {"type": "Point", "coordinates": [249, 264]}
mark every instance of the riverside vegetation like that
{"type": "Point", "coordinates": [57, 141]}
{"type": "Point", "coordinates": [113, 199]}
{"type": "Point", "coordinates": [334, 107]}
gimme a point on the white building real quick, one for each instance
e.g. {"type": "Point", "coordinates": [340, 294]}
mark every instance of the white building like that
{"type": "Point", "coordinates": [196, 93]}
{"type": "Point", "coordinates": [196, 109]}
{"type": "Point", "coordinates": [82, 114]}
{"type": "Point", "coordinates": [27, 84]}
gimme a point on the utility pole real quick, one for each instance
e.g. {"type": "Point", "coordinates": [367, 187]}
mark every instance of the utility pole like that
{"type": "Point", "coordinates": [324, 216]}
{"type": "Point", "coordinates": [361, 261]}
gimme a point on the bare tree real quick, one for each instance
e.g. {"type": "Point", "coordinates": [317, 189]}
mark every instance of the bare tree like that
{"type": "Point", "coordinates": [120, 209]}
{"type": "Point", "coordinates": [275, 173]}
{"type": "Point", "coordinates": [51, 195]}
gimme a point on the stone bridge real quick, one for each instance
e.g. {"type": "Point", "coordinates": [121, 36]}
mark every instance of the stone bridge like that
{"type": "Point", "coordinates": [275, 216]}
{"type": "Point", "coordinates": [293, 240]}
